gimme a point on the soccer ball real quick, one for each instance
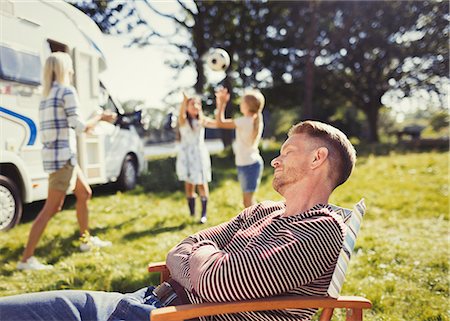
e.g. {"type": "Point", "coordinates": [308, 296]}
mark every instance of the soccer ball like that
{"type": "Point", "coordinates": [218, 59]}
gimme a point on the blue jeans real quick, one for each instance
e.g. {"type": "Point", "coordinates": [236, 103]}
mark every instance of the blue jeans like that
{"type": "Point", "coordinates": [79, 306]}
{"type": "Point", "coordinates": [250, 176]}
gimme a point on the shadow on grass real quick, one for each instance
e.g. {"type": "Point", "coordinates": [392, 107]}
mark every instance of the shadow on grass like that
{"type": "Point", "coordinates": [124, 285]}
{"type": "Point", "coordinates": [60, 248]}
{"type": "Point", "coordinates": [154, 231]}
{"type": "Point", "coordinates": [52, 249]}
{"type": "Point", "coordinates": [10, 256]}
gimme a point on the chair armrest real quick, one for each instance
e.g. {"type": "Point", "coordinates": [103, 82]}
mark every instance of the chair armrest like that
{"type": "Point", "coordinates": [161, 268]}
{"type": "Point", "coordinates": [189, 311]}
{"type": "Point", "coordinates": [157, 267]}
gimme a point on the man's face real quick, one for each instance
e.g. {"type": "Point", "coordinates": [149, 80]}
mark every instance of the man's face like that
{"type": "Point", "coordinates": [293, 163]}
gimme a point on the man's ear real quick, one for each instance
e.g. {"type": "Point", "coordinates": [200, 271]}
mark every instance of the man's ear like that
{"type": "Point", "coordinates": [320, 156]}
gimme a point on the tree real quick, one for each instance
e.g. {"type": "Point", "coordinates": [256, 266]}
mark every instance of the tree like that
{"type": "Point", "coordinates": [320, 56]}
{"type": "Point", "coordinates": [382, 45]}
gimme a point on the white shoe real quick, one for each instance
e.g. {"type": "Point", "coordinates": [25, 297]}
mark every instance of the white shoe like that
{"type": "Point", "coordinates": [94, 241]}
{"type": "Point", "coordinates": [33, 263]}
{"type": "Point", "coordinates": [203, 219]}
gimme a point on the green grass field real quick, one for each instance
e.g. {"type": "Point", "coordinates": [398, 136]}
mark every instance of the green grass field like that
{"type": "Point", "coordinates": [400, 262]}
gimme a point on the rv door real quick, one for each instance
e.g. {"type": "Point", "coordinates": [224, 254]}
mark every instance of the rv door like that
{"type": "Point", "coordinates": [91, 153]}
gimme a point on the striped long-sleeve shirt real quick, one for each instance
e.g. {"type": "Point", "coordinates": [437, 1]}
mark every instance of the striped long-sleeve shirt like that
{"type": "Point", "coordinates": [259, 254]}
{"type": "Point", "coordinates": [58, 115]}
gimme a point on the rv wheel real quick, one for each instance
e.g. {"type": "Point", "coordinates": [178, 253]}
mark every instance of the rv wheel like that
{"type": "Point", "coordinates": [128, 175]}
{"type": "Point", "coordinates": [10, 204]}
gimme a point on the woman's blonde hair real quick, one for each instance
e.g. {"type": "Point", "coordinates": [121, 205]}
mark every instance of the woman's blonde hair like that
{"type": "Point", "coordinates": [57, 68]}
{"type": "Point", "coordinates": [255, 102]}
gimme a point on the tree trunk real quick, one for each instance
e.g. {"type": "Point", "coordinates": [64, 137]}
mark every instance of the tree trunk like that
{"type": "Point", "coordinates": [372, 120]}
{"type": "Point", "coordinates": [198, 41]}
{"type": "Point", "coordinates": [309, 73]}
{"type": "Point", "coordinates": [200, 83]}
{"type": "Point", "coordinates": [226, 134]}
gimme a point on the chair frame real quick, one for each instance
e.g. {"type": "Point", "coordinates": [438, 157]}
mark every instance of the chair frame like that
{"type": "Point", "coordinates": [354, 305]}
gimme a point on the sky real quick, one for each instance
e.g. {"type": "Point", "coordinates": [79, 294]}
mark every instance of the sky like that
{"type": "Point", "coordinates": [140, 73]}
{"type": "Point", "coordinates": [137, 73]}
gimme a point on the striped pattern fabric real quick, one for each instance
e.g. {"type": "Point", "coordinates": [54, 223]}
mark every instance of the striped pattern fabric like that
{"type": "Point", "coordinates": [58, 113]}
{"type": "Point", "coordinates": [353, 221]}
{"type": "Point", "coordinates": [258, 254]}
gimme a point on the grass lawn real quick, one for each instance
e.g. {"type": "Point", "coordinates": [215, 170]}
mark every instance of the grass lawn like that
{"type": "Point", "coordinates": [400, 262]}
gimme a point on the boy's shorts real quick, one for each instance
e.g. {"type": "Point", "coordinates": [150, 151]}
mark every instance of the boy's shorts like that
{"type": "Point", "coordinates": [64, 179]}
{"type": "Point", "coordinates": [250, 176]}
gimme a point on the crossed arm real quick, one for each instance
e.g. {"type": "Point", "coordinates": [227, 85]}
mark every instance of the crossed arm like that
{"type": "Point", "coordinates": [285, 260]}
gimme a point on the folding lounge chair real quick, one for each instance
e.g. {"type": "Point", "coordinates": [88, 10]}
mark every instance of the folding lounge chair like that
{"type": "Point", "coordinates": [353, 304]}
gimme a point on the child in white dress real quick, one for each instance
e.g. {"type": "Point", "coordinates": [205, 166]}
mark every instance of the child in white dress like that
{"type": "Point", "coordinates": [193, 165]}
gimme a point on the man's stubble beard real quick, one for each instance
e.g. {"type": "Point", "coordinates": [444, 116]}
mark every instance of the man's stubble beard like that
{"type": "Point", "coordinates": [289, 176]}
{"type": "Point", "coordinates": [280, 181]}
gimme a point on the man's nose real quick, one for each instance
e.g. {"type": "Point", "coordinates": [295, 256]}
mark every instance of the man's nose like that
{"type": "Point", "coordinates": [275, 162]}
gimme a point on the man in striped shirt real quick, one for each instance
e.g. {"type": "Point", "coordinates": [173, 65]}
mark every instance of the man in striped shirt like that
{"type": "Point", "coordinates": [269, 249]}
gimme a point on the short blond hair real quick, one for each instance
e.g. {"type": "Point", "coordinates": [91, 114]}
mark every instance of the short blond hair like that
{"type": "Point", "coordinates": [341, 152]}
{"type": "Point", "coordinates": [56, 68]}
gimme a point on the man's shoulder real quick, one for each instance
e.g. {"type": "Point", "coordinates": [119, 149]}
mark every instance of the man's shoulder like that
{"type": "Point", "coordinates": [266, 207]}
{"type": "Point", "coordinates": [323, 216]}
{"type": "Point", "coordinates": [269, 203]}
{"type": "Point", "coordinates": [260, 211]}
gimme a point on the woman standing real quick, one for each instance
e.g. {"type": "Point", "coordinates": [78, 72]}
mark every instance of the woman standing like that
{"type": "Point", "coordinates": [193, 165]}
{"type": "Point", "coordinates": [249, 130]}
{"type": "Point", "coordinates": [58, 115]}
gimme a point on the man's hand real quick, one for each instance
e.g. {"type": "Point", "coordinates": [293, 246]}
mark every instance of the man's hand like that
{"type": "Point", "coordinates": [105, 115]}
{"type": "Point", "coordinates": [108, 116]}
{"type": "Point", "coordinates": [89, 129]}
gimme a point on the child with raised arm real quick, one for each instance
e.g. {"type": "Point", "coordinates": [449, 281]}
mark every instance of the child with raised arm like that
{"type": "Point", "coordinates": [249, 128]}
{"type": "Point", "coordinates": [193, 165]}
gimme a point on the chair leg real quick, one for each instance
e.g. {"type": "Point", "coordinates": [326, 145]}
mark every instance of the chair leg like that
{"type": "Point", "coordinates": [354, 314]}
{"type": "Point", "coordinates": [326, 314]}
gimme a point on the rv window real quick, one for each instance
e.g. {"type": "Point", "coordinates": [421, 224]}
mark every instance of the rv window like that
{"type": "Point", "coordinates": [20, 66]}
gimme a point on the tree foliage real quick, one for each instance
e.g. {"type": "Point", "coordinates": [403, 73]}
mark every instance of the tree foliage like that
{"type": "Point", "coordinates": [327, 58]}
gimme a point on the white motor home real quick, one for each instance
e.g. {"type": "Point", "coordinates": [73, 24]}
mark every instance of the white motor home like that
{"type": "Point", "coordinates": [31, 30]}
